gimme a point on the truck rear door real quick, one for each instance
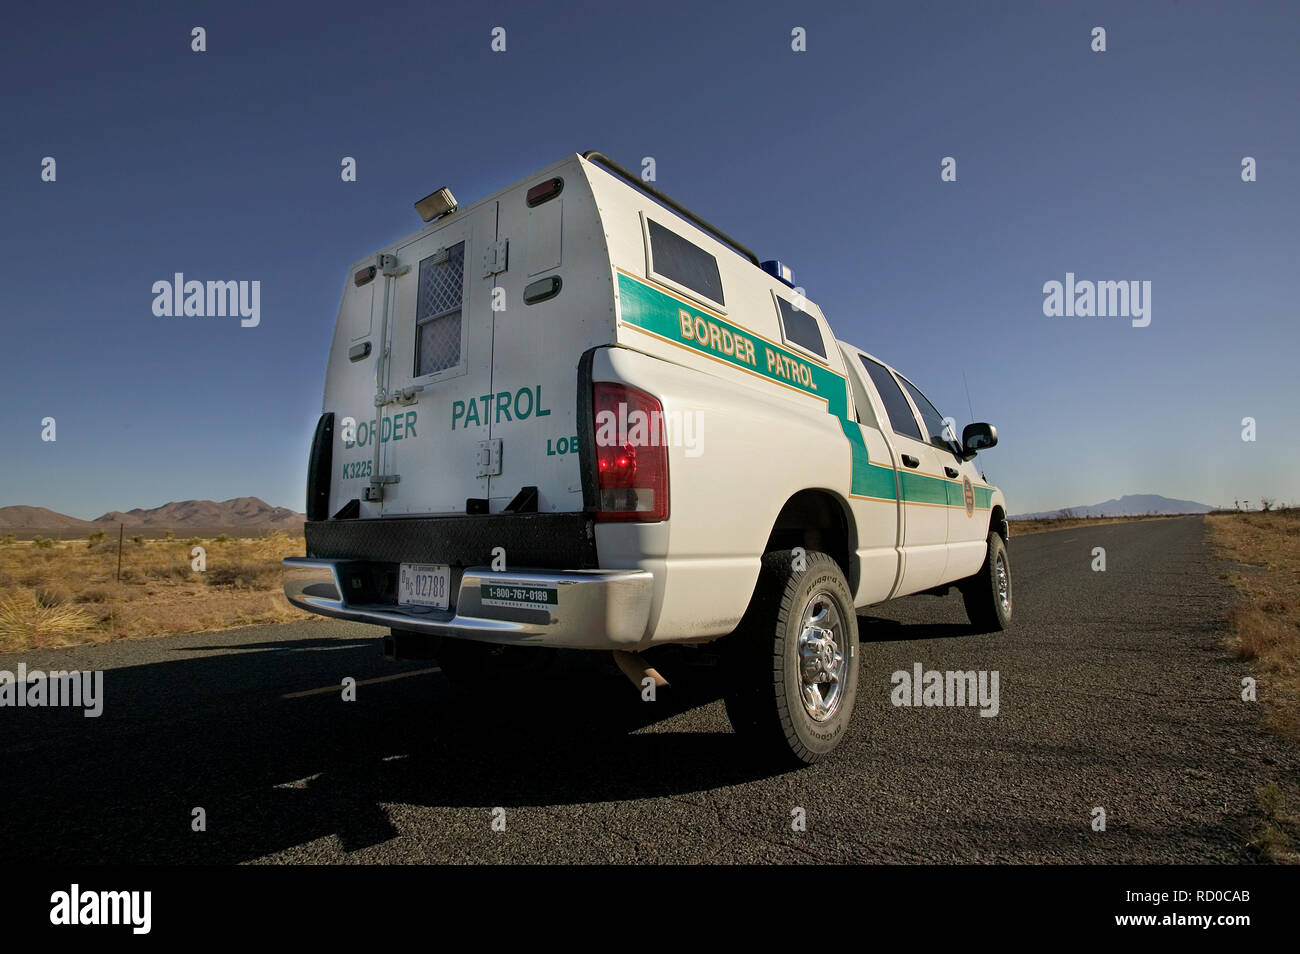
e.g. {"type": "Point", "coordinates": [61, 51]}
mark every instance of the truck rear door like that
{"type": "Point", "coordinates": [434, 434]}
{"type": "Point", "coordinates": [549, 235]}
{"type": "Point", "coordinates": [877, 510]}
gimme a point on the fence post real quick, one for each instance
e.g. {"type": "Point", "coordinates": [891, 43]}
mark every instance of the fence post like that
{"type": "Point", "coordinates": [119, 552]}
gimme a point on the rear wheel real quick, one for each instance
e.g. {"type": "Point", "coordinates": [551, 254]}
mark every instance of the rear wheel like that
{"type": "Point", "coordinates": [472, 665]}
{"type": "Point", "coordinates": [987, 594]}
{"type": "Point", "coordinates": [792, 663]}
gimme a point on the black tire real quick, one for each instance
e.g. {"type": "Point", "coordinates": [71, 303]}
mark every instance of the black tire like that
{"type": "Point", "coordinates": [763, 661]}
{"type": "Point", "coordinates": [985, 606]}
{"type": "Point", "coordinates": [470, 664]}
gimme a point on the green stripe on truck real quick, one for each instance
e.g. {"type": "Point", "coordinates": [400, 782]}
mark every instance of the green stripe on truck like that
{"type": "Point", "coordinates": [655, 311]}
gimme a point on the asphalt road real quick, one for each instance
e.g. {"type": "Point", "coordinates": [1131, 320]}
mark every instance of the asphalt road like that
{"type": "Point", "coordinates": [1114, 691]}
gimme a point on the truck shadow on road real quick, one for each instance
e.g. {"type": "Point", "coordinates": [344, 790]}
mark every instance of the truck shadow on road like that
{"type": "Point", "coordinates": [876, 629]}
{"type": "Point", "coordinates": [274, 769]}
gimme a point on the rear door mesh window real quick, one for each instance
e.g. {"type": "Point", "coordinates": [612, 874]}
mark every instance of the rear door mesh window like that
{"type": "Point", "coordinates": [438, 311]}
{"type": "Point", "coordinates": [682, 261]}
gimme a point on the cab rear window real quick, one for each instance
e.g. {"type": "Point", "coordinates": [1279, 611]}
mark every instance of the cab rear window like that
{"type": "Point", "coordinates": [684, 262]}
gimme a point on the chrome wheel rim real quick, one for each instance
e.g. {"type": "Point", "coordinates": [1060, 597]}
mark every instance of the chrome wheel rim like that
{"type": "Point", "coordinates": [823, 669]}
{"type": "Point", "coordinates": [1003, 581]}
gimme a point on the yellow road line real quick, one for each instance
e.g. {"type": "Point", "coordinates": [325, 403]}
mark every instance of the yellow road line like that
{"type": "Point", "coordinates": [363, 682]}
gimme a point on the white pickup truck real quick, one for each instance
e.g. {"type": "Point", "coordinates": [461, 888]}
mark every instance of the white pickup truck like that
{"type": "Point", "coordinates": [576, 415]}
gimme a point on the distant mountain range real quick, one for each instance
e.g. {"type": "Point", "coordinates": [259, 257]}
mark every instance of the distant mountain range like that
{"type": "Point", "coordinates": [237, 513]}
{"type": "Point", "coordinates": [1130, 505]}
{"type": "Point", "coordinates": [39, 518]}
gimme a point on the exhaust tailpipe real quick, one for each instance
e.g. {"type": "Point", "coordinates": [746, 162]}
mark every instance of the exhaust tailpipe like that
{"type": "Point", "coordinates": [635, 667]}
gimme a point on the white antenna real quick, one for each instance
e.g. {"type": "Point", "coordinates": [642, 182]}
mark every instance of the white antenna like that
{"type": "Point", "coordinates": [969, 407]}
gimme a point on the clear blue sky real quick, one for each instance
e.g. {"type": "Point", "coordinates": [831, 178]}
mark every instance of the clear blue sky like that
{"type": "Point", "coordinates": [225, 165]}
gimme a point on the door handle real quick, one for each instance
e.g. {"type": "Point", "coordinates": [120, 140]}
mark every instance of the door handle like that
{"type": "Point", "coordinates": [911, 461]}
{"type": "Point", "coordinates": [950, 471]}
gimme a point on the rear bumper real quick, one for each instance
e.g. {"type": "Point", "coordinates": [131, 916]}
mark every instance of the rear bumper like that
{"type": "Point", "coordinates": [593, 609]}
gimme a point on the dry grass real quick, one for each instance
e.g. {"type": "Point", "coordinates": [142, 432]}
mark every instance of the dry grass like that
{"type": "Point", "coordinates": [1021, 527]}
{"type": "Point", "coordinates": [1263, 550]}
{"type": "Point", "coordinates": [67, 592]}
{"type": "Point", "coordinates": [27, 619]}
{"type": "Point", "coordinates": [1277, 834]}
{"type": "Point", "coordinates": [1266, 627]}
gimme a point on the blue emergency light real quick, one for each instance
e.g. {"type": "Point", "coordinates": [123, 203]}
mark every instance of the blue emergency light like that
{"type": "Point", "coordinates": [778, 271]}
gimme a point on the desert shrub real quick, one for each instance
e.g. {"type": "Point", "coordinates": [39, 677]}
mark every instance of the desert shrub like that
{"type": "Point", "coordinates": [245, 575]}
{"type": "Point", "coordinates": [51, 595]}
{"type": "Point", "coordinates": [24, 622]}
{"type": "Point", "coordinates": [169, 571]}
{"type": "Point", "coordinates": [94, 594]}
{"type": "Point", "coordinates": [44, 543]}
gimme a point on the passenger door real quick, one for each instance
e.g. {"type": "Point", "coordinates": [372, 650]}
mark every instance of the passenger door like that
{"type": "Point", "coordinates": [967, 525]}
{"type": "Point", "coordinates": [923, 493]}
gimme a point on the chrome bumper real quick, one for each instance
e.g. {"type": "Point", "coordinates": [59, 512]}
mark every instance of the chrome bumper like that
{"type": "Point", "coordinates": [593, 609]}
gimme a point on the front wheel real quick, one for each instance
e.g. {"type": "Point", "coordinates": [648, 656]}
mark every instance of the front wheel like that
{"type": "Point", "coordinates": [987, 594]}
{"type": "Point", "coordinates": [792, 663]}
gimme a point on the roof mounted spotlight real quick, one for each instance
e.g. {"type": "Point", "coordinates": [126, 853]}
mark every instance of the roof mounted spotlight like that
{"type": "Point", "coordinates": [436, 204]}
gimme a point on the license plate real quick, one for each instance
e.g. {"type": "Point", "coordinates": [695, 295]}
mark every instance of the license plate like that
{"type": "Point", "coordinates": [424, 584]}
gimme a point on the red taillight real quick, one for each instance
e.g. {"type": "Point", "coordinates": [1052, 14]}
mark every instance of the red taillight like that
{"type": "Point", "coordinates": [631, 454]}
{"type": "Point", "coordinates": [544, 191]}
{"type": "Point", "coordinates": [365, 275]}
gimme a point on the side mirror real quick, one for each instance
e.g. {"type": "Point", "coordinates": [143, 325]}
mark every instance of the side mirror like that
{"type": "Point", "coordinates": [977, 437]}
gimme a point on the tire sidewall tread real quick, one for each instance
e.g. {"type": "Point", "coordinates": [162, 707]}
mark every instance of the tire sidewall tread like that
{"type": "Point", "coordinates": [764, 700]}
